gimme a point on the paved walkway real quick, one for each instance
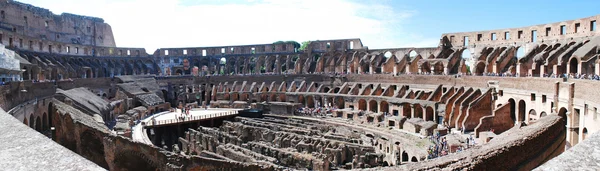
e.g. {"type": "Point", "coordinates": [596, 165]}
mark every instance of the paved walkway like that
{"type": "Point", "coordinates": [139, 134]}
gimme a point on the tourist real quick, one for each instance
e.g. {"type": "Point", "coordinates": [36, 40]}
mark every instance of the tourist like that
{"type": "Point", "coordinates": [467, 142]}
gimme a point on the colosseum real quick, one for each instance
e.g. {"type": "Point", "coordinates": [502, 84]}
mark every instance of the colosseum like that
{"type": "Point", "coordinates": [506, 99]}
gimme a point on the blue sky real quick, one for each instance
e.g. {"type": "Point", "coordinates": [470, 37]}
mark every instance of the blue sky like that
{"type": "Point", "coordinates": [379, 23]}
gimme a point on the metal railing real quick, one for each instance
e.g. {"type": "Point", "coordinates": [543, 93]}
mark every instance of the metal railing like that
{"type": "Point", "coordinates": [185, 118]}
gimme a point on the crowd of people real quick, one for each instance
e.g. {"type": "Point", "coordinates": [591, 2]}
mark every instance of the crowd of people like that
{"type": "Point", "coordinates": [185, 113]}
{"type": "Point", "coordinates": [440, 147]}
{"type": "Point", "coordinates": [318, 111]}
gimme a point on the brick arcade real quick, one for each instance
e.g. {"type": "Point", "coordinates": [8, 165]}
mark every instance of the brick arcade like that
{"type": "Point", "coordinates": [524, 95]}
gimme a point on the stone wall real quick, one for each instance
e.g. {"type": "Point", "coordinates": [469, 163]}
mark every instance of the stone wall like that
{"type": "Point", "coordinates": [517, 149]}
{"type": "Point", "coordinates": [80, 133]}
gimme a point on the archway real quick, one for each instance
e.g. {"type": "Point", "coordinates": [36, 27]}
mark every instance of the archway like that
{"type": "Point", "coordinates": [532, 114]}
{"type": "Point", "coordinates": [38, 124]}
{"type": "Point", "coordinates": [466, 54]}
{"type": "Point", "coordinates": [31, 121]}
{"type": "Point", "coordinates": [513, 113]}
{"type": "Point", "coordinates": [584, 133]}
{"type": "Point", "coordinates": [573, 65]}
{"type": "Point", "coordinates": [301, 100]}
{"type": "Point", "coordinates": [384, 107]}
{"type": "Point", "coordinates": [387, 54]}
{"type": "Point", "coordinates": [340, 102]}
{"type": "Point", "coordinates": [310, 101]}
{"type": "Point", "coordinates": [438, 68]}
{"type": "Point", "coordinates": [362, 104]}
{"type": "Point", "coordinates": [479, 68]}
{"type": "Point", "coordinates": [45, 121]}
{"type": "Point", "coordinates": [426, 68]}
{"type": "Point", "coordinates": [520, 52]}
{"type": "Point", "coordinates": [51, 112]}
{"type": "Point", "coordinates": [418, 111]}
{"type": "Point", "coordinates": [429, 113]}
{"type": "Point", "coordinates": [542, 114]}
{"type": "Point", "coordinates": [404, 156]}
{"type": "Point", "coordinates": [412, 54]}
{"type": "Point", "coordinates": [522, 108]}
{"type": "Point", "coordinates": [373, 106]}
{"type": "Point", "coordinates": [562, 112]}
{"type": "Point", "coordinates": [414, 159]}
{"type": "Point", "coordinates": [88, 73]}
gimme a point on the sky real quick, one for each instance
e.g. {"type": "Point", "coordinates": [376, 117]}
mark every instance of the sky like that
{"type": "Point", "coordinates": [153, 24]}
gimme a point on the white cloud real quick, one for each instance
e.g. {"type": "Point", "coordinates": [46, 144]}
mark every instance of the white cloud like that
{"type": "Point", "coordinates": [171, 23]}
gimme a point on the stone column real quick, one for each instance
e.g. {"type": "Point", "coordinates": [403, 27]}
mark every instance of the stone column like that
{"type": "Point", "coordinates": [542, 70]}
{"type": "Point", "coordinates": [518, 69]}
{"type": "Point", "coordinates": [407, 70]}
{"type": "Point", "coordinates": [597, 68]}
{"type": "Point", "coordinates": [396, 69]}
{"type": "Point", "coordinates": [278, 64]}
{"type": "Point", "coordinates": [412, 111]}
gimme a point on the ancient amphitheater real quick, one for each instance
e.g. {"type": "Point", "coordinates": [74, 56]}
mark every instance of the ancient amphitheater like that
{"type": "Point", "coordinates": [507, 99]}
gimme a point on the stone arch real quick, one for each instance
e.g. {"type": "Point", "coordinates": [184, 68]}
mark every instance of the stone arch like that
{"type": "Point", "coordinates": [562, 112]}
{"type": "Point", "coordinates": [310, 101]}
{"type": "Point", "coordinates": [520, 52]}
{"type": "Point", "coordinates": [326, 90]}
{"type": "Point", "coordinates": [384, 107]}
{"type": "Point", "coordinates": [45, 121]}
{"type": "Point", "coordinates": [404, 156]}
{"type": "Point", "coordinates": [522, 108]}
{"type": "Point", "coordinates": [336, 90]}
{"type": "Point", "coordinates": [479, 68]}
{"type": "Point", "coordinates": [414, 159]}
{"type": "Point", "coordinates": [301, 100]}
{"type": "Point", "coordinates": [88, 73]}
{"type": "Point", "coordinates": [387, 54]}
{"type": "Point", "coordinates": [513, 109]}
{"type": "Point", "coordinates": [573, 64]}
{"type": "Point", "coordinates": [362, 104]}
{"type": "Point", "coordinates": [282, 97]}
{"type": "Point", "coordinates": [340, 102]}
{"type": "Point", "coordinates": [584, 133]}
{"type": "Point", "coordinates": [51, 112]}
{"type": "Point", "coordinates": [235, 96]}
{"type": "Point", "coordinates": [418, 112]}
{"type": "Point", "coordinates": [38, 124]}
{"type": "Point", "coordinates": [438, 68]}
{"type": "Point", "coordinates": [543, 114]}
{"type": "Point", "coordinates": [413, 54]}
{"type": "Point", "coordinates": [429, 113]}
{"type": "Point", "coordinates": [31, 121]}
{"type": "Point", "coordinates": [466, 53]}
{"type": "Point", "coordinates": [426, 67]}
{"type": "Point", "coordinates": [373, 106]}
{"type": "Point", "coordinates": [532, 113]}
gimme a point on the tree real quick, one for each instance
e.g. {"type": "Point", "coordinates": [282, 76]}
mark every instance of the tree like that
{"type": "Point", "coordinates": [304, 45]}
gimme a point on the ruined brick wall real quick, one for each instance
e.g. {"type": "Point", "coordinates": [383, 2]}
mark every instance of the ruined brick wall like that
{"type": "Point", "coordinates": [40, 23]}
{"type": "Point", "coordinates": [81, 134]}
{"type": "Point", "coordinates": [519, 36]}
{"type": "Point", "coordinates": [519, 149]}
